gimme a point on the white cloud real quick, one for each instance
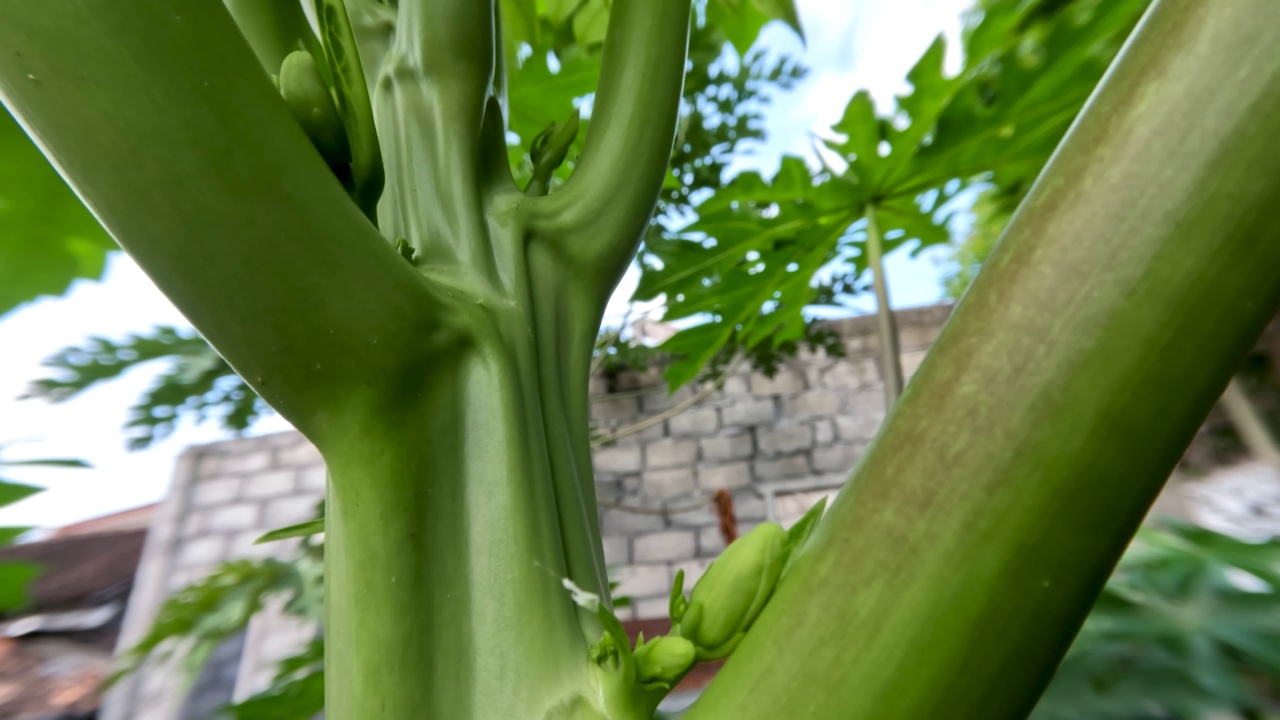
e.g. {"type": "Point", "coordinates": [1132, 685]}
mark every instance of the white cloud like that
{"type": "Point", "coordinates": [853, 46]}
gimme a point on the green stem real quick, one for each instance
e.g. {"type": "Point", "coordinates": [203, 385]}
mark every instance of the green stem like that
{"type": "Point", "coordinates": [582, 237]}
{"type": "Point", "coordinates": [448, 397]}
{"type": "Point", "coordinates": [1249, 423]}
{"type": "Point", "coordinates": [432, 105]}
{"type": "Point", "coordinates": [503, 479]}
{"type": "Point", "coordinates": [178, 141]}
{"type": "Point", "coordinates": [890, 355]}
{"type": "Point", "coordinates": [954, 570]}
{"type": "Point", "coordinates": [445, 557]}
{"type": "Point", "coordinates": [596, 221]}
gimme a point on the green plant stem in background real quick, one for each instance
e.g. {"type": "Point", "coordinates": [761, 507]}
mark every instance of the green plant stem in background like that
{"type": "Point", "coordinates": [1250, 424]}
{"type": "Point", "coordinates": [890, 354]}
{"type": "Point", "coordinates": [954, 570]}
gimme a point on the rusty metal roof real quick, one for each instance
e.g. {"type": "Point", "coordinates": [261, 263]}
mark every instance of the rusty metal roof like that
{"type": "Point", "coordinates": [81, 570]}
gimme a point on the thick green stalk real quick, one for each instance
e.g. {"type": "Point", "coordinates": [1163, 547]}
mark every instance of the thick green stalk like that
{"type": "Point", "coordinates": [504, 479]}
{"type": "Point", "coordinates": [431, 102]}
{"type": "Point", "coordinates": [168, 128]}
{"type": "Point", "coordinates": [890, 355]}
{"type": "Point", "coordinates": [582, 237]}
{"type": "Point", "coordinates": [954, 570]}
{"type": "Point", "coordinates": [444, 553]}
{"type": "Point", "coordinates": [448, 395]}
{"type": "Point", "coordinates": [595, 223]}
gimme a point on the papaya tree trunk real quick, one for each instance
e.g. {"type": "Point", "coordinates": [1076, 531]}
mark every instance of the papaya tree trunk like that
{"type": "Point", "coordinates": [439, 358]}
{"type": "Point", "coordinates": [957, 565]}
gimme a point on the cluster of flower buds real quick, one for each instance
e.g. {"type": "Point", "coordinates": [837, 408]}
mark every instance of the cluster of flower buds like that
{"type": "Point", "coordinates": [309, 98]}
{"type": "Point", "coordinates": [663, 660]}
{"type": "Point", "coordinates": [714, 619]}
{"type": "Point", "coordinates": [730, 595]}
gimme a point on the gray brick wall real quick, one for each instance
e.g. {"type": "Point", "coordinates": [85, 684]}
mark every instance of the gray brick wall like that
{"type": "Point", "coordinates": [223, 497]}
{"type": "Point", "coordinates": [776, 443]}
{"type": "Point", "coordinates": [213, 687]}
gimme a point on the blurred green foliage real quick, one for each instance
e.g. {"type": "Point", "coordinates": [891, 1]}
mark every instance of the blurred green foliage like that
{"type": "Point", "coordinates": [1188, 626]}
{"type": "Point", "coordinates": [16, 577]}
{"type": "Point", "coordinates": [761, 252]}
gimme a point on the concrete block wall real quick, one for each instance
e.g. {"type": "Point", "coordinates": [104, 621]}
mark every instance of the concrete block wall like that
{"type": "Point", "coordinates": [222, 497]}
{"type": "Point", "coordinates": [776, 443]}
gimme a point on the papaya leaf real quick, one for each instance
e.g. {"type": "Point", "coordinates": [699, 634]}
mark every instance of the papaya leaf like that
{"type": "Point", "coordinates": [296, 692]}
{"type": "Point", "coordinates": [740, 21]}
{"type": "Point", "coordinates": [297, 699]}
{"type": "Point", "coordinates": [12, 492]}
{"type": "Point", "coordinates": [48, 239]}
{"type": "Point", "coordinates": [306, 529]}
{"type": "Point", "coordinates": [591, 23]}
{"type": "Point", "coordinates": [49, 462]}
{"type": "Point", "coordinates": [197, 382]}
{"type": "Point", "coordinates": [760, 252]}
{"type": "Point", "coordinates": [9, 534]}
{"type": "Point", "coordinates": [15, 581]}
{"type": "Point", "coordinates": [198, 618]}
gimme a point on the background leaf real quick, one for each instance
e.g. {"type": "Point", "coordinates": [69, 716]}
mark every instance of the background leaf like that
{"type": "Point", "coordinates": [15, 581]}
{"type": "Point", "coordinates": [50, 462]}
{"type": "Point", "coordinates": [760, 253]}
{"type": "Point", "coordinates": [306, 529]}
{"type": "Point", "coordinates": [12, 492]}
{"type": "Point", "coordinates": [591, 23]}
{"type": "Point", "coordinates": [197, 383]}
{"type": "Point", "coordinates": [47, 237]}
{"type": "Point", "coordinates": [740, 21]}
{"type": "Point", "coordinates": [1175, 634]}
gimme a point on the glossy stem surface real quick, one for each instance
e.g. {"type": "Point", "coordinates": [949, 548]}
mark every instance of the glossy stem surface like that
{"type": "Point", "coordinates": [957, 565]}
{"type": "Point", "coordinates": [446, 391]}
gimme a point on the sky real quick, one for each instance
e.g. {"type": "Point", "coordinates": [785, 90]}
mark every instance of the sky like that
{"type": "Point", "coordinates": [849, 46]}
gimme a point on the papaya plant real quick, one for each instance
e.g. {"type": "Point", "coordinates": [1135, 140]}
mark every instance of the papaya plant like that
{"type": "Point", "coordinates": [47, 237]}
{"type": "Point", "coordinates": [385, 284]}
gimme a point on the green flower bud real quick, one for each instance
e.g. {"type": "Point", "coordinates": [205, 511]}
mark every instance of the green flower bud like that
{"type": "Point", "coordinates": [311, 103]}
{"type": "Point", "coordinates": [729, 597]}
{"type": "Point", "coordinates": [664, 659]}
